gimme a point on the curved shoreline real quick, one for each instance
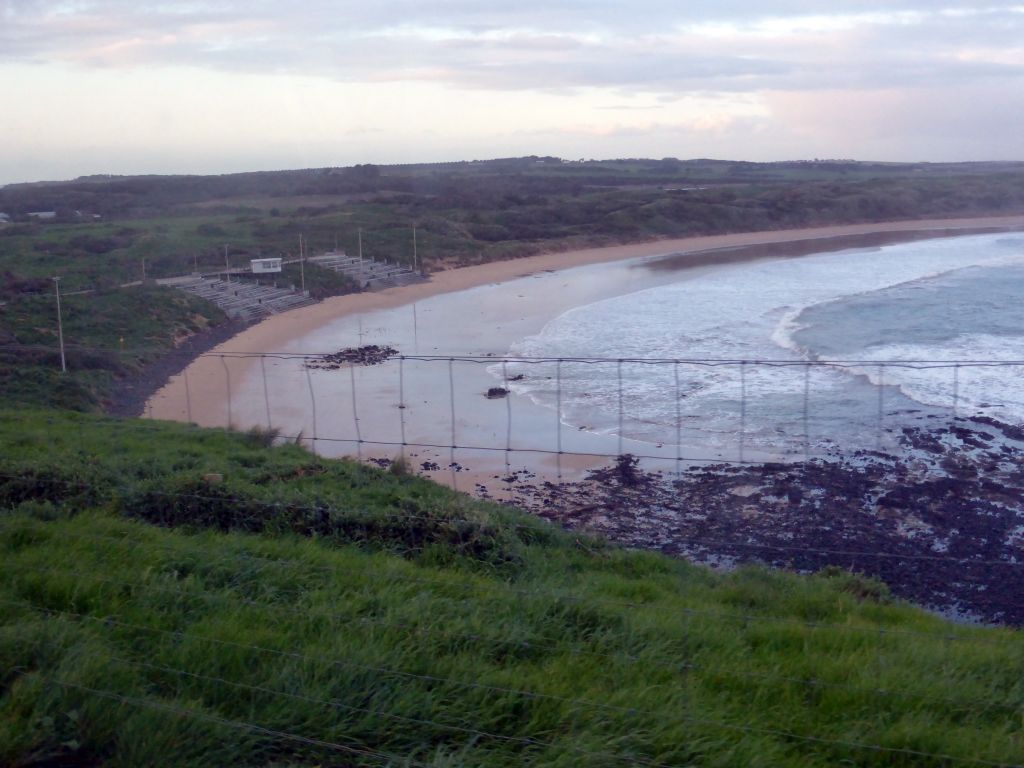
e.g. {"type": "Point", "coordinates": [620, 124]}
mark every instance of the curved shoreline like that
{"type": "Point", "coordinates": [131, 397]}
{"type": "Point", "coordinates": [202, 388]}
{"type": "Point", "coordinates": [884, 514]}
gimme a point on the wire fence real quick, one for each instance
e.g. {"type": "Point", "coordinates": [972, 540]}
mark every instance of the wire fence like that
{"type": "Point", "coordinates": [825, 462]}
{"type": "Point", "coordinates": [903, 470]}
{"type": "Point", "coordinates": [670, 413]}
{"type": "Point", "coordinates": [349, 620]}
{"type": "Point", "coordinates": [477, 591]}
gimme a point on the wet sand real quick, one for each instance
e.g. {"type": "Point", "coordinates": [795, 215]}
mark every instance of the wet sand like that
{"type": "Point", "coordinates": [469, 312]}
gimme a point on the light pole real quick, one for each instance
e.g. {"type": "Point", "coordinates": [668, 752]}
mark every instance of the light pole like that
{"type": "Point", "coordinates": [60, 329]}
{"type": "Point", "coordinates": [415, 260]}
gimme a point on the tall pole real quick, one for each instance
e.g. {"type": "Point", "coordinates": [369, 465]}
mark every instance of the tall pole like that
{"type": "Point", "coordinates": [60, 329]}
{"type": "Point", "coordinates": [360, 257]}
{"type": "Point", "coordinates": [143, 269]}
{"type": "Point", "coordinates": [415, 259]}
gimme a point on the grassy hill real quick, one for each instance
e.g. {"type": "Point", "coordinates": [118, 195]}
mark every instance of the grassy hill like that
{"type": "Point", "coordinates": [110, 337]}
{"type": "Point", "coordinates": [177, 596]}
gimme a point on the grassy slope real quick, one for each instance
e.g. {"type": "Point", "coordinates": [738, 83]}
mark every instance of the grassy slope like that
{"type": "Point", "coordinates": [108, 335]}
{"type": "Point", "coordinates": [388, 614]}
{"type": "Point", "coordinates": [110, 332]}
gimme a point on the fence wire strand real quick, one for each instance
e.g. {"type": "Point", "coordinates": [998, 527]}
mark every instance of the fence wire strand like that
{"type": "Point", "coordinates": [236, 724]}
{"type": "Point", "coordinates": [574, 649]}
{"type": "Point", "coordinates": [779, 450]}
{"type": "Point", "coordinates": [470, 587]}
{"type": "Point", "coordinates": [522, 693]}
{"type": "Point", "coordinates": [474, 589]}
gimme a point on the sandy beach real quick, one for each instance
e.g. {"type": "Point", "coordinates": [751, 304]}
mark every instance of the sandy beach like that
{"type": "Point", "coordinates": [473, 311]}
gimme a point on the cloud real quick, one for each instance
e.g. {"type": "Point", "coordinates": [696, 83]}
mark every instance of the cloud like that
{"type": "Point", "coordinates": [652, 46]}
{"type": "Point", "coordinates": [195, 83]}
{"type": "Point", "coordinates": [971, 123]}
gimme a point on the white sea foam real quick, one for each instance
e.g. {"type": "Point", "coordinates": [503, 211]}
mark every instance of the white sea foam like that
{"type": "Point", "coordinates": [994, 390]}
{"type": "Point", "coordinates": [744, 312]}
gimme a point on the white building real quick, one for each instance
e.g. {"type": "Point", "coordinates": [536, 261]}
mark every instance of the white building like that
{"type": "Point", "coordinates": [265, 266]}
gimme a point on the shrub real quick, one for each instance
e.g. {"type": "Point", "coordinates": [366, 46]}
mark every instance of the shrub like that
{"type": "Point", "coordinates": [400, 466]}
{"type": "Point", "coordinates": [262, 437]}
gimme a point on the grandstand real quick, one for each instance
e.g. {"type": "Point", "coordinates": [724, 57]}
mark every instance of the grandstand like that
{"type": "Point", "coordinates": [243, 300]}
{"type": "Point", "coordinates": [249, 301]}
{"type": "Point", "coordinates": [368, 273]}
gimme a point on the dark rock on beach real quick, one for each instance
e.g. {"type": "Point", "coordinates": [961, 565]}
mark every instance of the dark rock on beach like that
{"type": "Point", "coordinates": [942, 523]}
{"type": "Point", "coordinates": [370, 354]}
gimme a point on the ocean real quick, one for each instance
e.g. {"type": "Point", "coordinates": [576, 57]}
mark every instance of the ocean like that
{"type": "Point", "coordinates": [786, 356]}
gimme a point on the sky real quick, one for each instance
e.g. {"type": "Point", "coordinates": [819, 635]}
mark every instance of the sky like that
{"type": "Point", "coordinates": [137, 86]}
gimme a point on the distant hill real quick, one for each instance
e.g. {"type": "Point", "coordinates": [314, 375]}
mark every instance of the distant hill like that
{"type": "Point", "coordinates": [122, 196]}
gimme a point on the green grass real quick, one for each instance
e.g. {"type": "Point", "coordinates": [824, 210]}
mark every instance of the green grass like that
{"type": "Point", "coordinates": [108, 336]}
{"type": "Point", "coordinates": [281, 593]}
{"type": "Point", "coordinates": [134, 320]}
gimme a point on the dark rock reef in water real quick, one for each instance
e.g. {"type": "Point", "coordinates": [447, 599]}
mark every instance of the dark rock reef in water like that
{"type": "Point", "coordinates": [942, 523]}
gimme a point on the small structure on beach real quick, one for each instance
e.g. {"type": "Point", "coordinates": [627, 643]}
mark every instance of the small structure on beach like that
{"type": "Point", "coordinates": [265, 266]}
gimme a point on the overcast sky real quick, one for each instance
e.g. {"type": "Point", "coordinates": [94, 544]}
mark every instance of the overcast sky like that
{"type": "Point", "coordinates": [133, 86]}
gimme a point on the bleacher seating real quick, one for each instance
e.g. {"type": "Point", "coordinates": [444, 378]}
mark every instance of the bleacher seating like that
{"type": "Point", "coordinates": [369, 273]}
{"type": "Point", "coordinates": [244, 300]}
{"type": "Point", "coordinates": [250, 301]}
